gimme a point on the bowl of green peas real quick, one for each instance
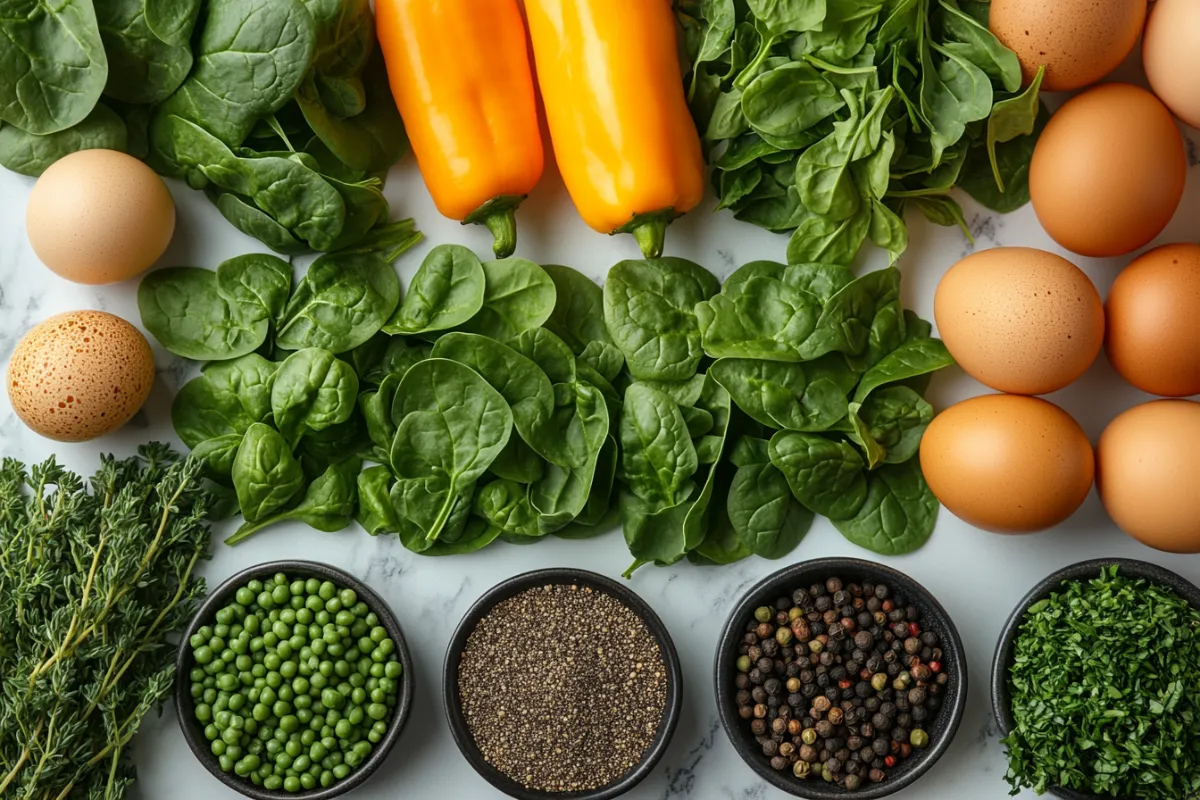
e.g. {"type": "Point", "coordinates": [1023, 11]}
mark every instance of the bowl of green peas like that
{"type": "Point", "coordinates": [293, 680]}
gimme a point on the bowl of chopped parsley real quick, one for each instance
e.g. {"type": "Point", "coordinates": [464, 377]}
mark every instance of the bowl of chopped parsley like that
{"type": "Point", "coordinates": [1095, 684]}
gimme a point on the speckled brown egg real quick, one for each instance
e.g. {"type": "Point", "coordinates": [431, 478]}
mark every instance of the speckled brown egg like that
{"type": "Point", "coordinates": [1007, 463]}
{"type": "Point", "coordinates": [1079, 41]}
{"type": "Point", "coordinates": [1108, 171]}
{"type": "Point", "coordinates": [1020, 320]}
{"type": "Point", "coordinates": [99, 216]}
{"type": "Point", "coordinates": [1153, 325]}
{"type": "Point", "coordinates": [80, 375]}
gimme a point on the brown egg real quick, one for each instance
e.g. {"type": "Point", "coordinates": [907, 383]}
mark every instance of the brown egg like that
{"type": "Point", "coordinates": [1171, 56]}
{"type": "Point", "coordinates": [1154, 321]}
{"type": "Point", "coordinates": [80, 375]}
{"type": "Point", "coordinates": [1020, 320]}
{"type": "Point", "coordinates": [1007, 463]}
{"type": "Point", "coordinates": [1108, 171]}
{"type": "Point", "coordinates": [1079, 41]}
{"type": "Point", "coordinates": [99, 216]}
{"type": "Point", "coordinates": [1148, 472]}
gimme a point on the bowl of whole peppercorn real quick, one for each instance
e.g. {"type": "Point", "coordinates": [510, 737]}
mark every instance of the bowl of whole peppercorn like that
{"type": "Point", "coordinates": [293, 680]}
{"type": "Point", "coordinates": [840, 677]}
{"type": "Point", "coordinates": [562, 683]}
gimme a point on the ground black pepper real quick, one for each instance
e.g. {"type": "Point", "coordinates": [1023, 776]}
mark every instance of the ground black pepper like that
{"type": "Point", "coordinates": [860, 679]}
{"type": "Point", "coordinates": [563, 688]}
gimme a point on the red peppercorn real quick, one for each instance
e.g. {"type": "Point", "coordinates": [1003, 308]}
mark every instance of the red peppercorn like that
{"type": "Point", "coordinates": [890, 761]}
{"type": "Point", "coordinates": [914, 629]}
{"type": "Point", "coordinates": [936, 666]}
{"type": "Point", "coordinates": [845, 684]}
{"type": "Point", "coordinates": [865, 674]}
{"type": "Point", "coordinates": [888, 606]}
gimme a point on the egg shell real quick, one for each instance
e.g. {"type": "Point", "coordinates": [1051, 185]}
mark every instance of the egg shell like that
{"type": "Point", "coordinates": [1108, 171]}
{"type": "Point", "coordinates": [1153, 321]}
{"type": "Point", "coordinates": [1007, 463]}
{"type": "Point", "coordinates": [1020, 320]}
{"type": "Point", "coordinates": [1079, 41]}
{"type": "Point", "coordinates": [99, 216]}
{"type": "Point", "coordinates": [1171, 56]}
{"type": "Point", "coordinates": [1148, 474]}
{"type": "Point", "coordinates": [80, 375]}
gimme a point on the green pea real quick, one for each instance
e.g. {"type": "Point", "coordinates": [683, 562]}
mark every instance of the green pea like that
{"type": "Point", "coordinates": [300, 685]}
{"type": "Point", "coordinates": [327, 778]}
{"type": "Point", "coordinates": [210, 695]}
{"type": "Point", "coordinates": [319, 681]}
{"type": "Point", "coordinates": [286, 694]}
{"type": "Point", "coordinates": [343, 728]}
{"type": "Point", "coordinates": [281, 709]}
{"type": "Point", "coordinates": [284, 648]}
{"type": "Point", "coordinates": [270, 639]}
{"type": "Point", "coordinates": [281, 595]}
{"type": "Point", "coordinates": [203, 654]}
{"type": "Point", "coordinates": [283, 761]}
{"type": "Point", "coordinates": [236, 701]}
{"type": "Point", "coordinates": [304, 616]}
{"type": "Point", "coordinates": [288, 669]}
{"type": "Point", "coordinates": [359, 628]}
{"type": "Point", "coordinates": [317, 751]}
{"type": "Point", "coordinates": [378, 634]}
{"type": "Point", "coordinates": [393, 670]}
{"type": "Point", "coordinates": [299, 640]}
{"type": "Point", "coordinates": [341, 771]}
{"type": "Point", "coordinates": [308, 782]}
{"type": "Point", "coordinates": [281, 630]}
{"type": "Point", "coordinates": [321, 617]}
{"type": "Point", "coordinates": [273, 783]}
{"type": "Point", "coordinates": [231, 735]}
{"type": "Point", "coordinates": [287, 616]}
{"type": "Point", "coordinates": [226, 762]}
{"type": "Point", "coordinates": [376, 670]}
{"type": "Point", "coordinates": [303, 700]}
{"type": "Point", "coordinates": [377, 711]}
{"type": "Point", "coordinates": [344, 618]}
{"type": "Point", "coordinates": [227, 682]}
{"type": "Point", "coordinates": [327, 591]}
{"type": "Point", "coordinates": [305, 715]}
{"type": "Point", "coordinates": [261, 712]}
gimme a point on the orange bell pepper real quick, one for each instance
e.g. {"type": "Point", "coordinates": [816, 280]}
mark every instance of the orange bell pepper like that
{"type": "Point", "coordinates": [460, 73]}
{"type": "Point", "coordinates": [619, 122]}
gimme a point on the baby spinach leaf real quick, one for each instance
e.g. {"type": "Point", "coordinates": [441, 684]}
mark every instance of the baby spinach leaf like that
{"type": "Point", "coordinates": [658, 457]}
{"type": "Point", "coordinates": [760, 505]}
{"type": "Point", "coordinates": [684, 393]}
{"type": "Point", "coordinates": [911, 359]}
{"type": "Point", "coordinates": [398, 358]}
{"type": "Point", "coordinates": [376, 407]}
{"type": "Point", "coordinates": [549, 352]}
{"type": "Point", "coordinates": [341, 303]}
{"type": "Point", "coordinates": [826, 476]}
{"type": "Point", "coordinates": [1013, 117]}
{"type": "Point", "coordinates": [823, 171]}
{"type": "Point", "coordinates": [446, 291]}
{"type": "Point", "coordinates": [655, 534]}
{"type": "Point", "coordinates": [896, 418]}
{"type": "Point", "coordinates": [375, 511]}
{"type": "Point", "coordinates": [759, 317]}
{"type": "Point", "coordinates": [823, 239]}
{"type": "Point", "coordinates": [266, 475]}
{"type": "Point", "coordinates": [846, 322]}
{"type": "Point", "coordinates": [973, 41]}
{"type": "Point", "coordinates": [216, 456]}
{"type": "Point", "coordinates": [30, 154]}
{"type": "Point", "coordinates": [860, 434]}
{"type": "Point", "coordinates": [142, 67]}
{"type": "Point", "coordinates": [172, 20]}
{"type": "Point", "coordinates": [319, 450]}
{"type": "Point", "coordinates": [250, 58]}
{"type": "Point", "coordinates": [518, 296]}
{"type": "Point", "coordinates": [820, 280]}
{"type": "Point", "coordinates": [328, 503]}
{"type": "Point", "coordinates": [183, 309]}
{"type": "Point", "coordinates": [787, 101]}
{"type": "Point", "coordinates": [578, 316]}
{"type": "Point", "coordinates": [799, 397]}
{"type": "Point", "coordinates": [505, 504]}
{"type": "Point", "coordinates": [226, 400]}
{"type": "Point", "coordinates": [518, 462]}
{"type": "Point", "coordinates": [649, 307]}
{"type": "Point", "coordinates": [452, 425]}
{"type": "Point", "coordinates": [253, 221]}
{"type": "Point", "coordinates": [54, 65]}
{"type": "Point", "coordinates": [256, 279]}
{"type": "Point", "coordinates": [898, 514]}
{"type": "Point", "coordinates": [789, 15]}
{"type": "Point", "coordinates": [313, 390]}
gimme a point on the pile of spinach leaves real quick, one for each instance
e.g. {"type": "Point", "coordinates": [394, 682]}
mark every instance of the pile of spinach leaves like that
{"type": "Point", "coordinates": [504, 400]}
{"type": "Point", "coordinates": [787, 392]}
{"type": "Point", "coordinates": [279, 109]}
{"type": "Point", "coordinates": [830, 119]}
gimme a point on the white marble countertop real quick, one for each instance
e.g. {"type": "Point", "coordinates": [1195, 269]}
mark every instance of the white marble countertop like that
{"type": "Point", "coordinates": [979, 577]}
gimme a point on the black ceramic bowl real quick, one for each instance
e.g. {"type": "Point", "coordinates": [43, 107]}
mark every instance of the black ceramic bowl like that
{"type": "Point", "coordinates": [1130, 568]}
{"type": "Point", "coordinates": [572, 577]}
{"type": "Point", "coordinates": [193, 731]}
{"type": "Point", "coordinates": [941, 728]}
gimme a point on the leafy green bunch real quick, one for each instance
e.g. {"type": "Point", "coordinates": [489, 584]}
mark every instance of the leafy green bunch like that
{"type": "Point", "coordinates": [1103, 681]}
{"type": "Point", "coordinates": [92, 582]}
{"type": "Point", "coordinates": [787, 392]}
{"type": "Point", "coordinates": [279, 109]}
{"type": "Point", "coordinates": [829, 118]}
{"type": "Point", "coordinates": [273, 418]}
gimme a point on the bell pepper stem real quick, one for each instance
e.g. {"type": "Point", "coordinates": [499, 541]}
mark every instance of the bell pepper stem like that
{"type": "Point", "coordinates": [650, 230]}
{"type": "Point", "coordinates": [499, 215]}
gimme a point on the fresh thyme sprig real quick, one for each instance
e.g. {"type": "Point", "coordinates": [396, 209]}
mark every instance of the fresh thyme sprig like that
{"type": "Point", "coordinates": [91, 585]}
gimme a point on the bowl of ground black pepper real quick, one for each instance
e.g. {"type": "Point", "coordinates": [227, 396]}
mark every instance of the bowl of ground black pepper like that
{"type": "Point", "coordinates": [840, 678]}
{"type": "Point", "coordinates": [562, 683]}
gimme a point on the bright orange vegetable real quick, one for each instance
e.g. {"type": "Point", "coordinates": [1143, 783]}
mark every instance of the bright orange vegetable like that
{"type": "Point", "coordinates": [623, 138]}
{"type": "Point", "coordinates": [460, 73]}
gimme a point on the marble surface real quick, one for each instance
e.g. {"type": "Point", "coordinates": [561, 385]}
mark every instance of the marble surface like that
{"type": "Point", "coordinates": [979, 577]}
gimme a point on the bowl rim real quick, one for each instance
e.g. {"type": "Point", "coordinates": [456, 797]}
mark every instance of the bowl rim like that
{"type": "Point", "coordinates": [953, 709]}
{"type": "Point", "coordinates": [1002, 658]}
{"type": "Point", "coordinates": [510, 587]}
{"type": "Point", "coordinates": [192, 731]}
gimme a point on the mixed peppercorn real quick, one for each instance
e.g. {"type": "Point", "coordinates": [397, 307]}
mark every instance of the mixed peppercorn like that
{"type": "Point", "coordinates": [839, 681]}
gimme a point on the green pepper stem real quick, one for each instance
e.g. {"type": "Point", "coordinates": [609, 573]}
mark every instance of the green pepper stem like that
{"type": "Point", "coordinates": [650, 230]}
{"type": "Point", "coordinates": [500, 217]}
